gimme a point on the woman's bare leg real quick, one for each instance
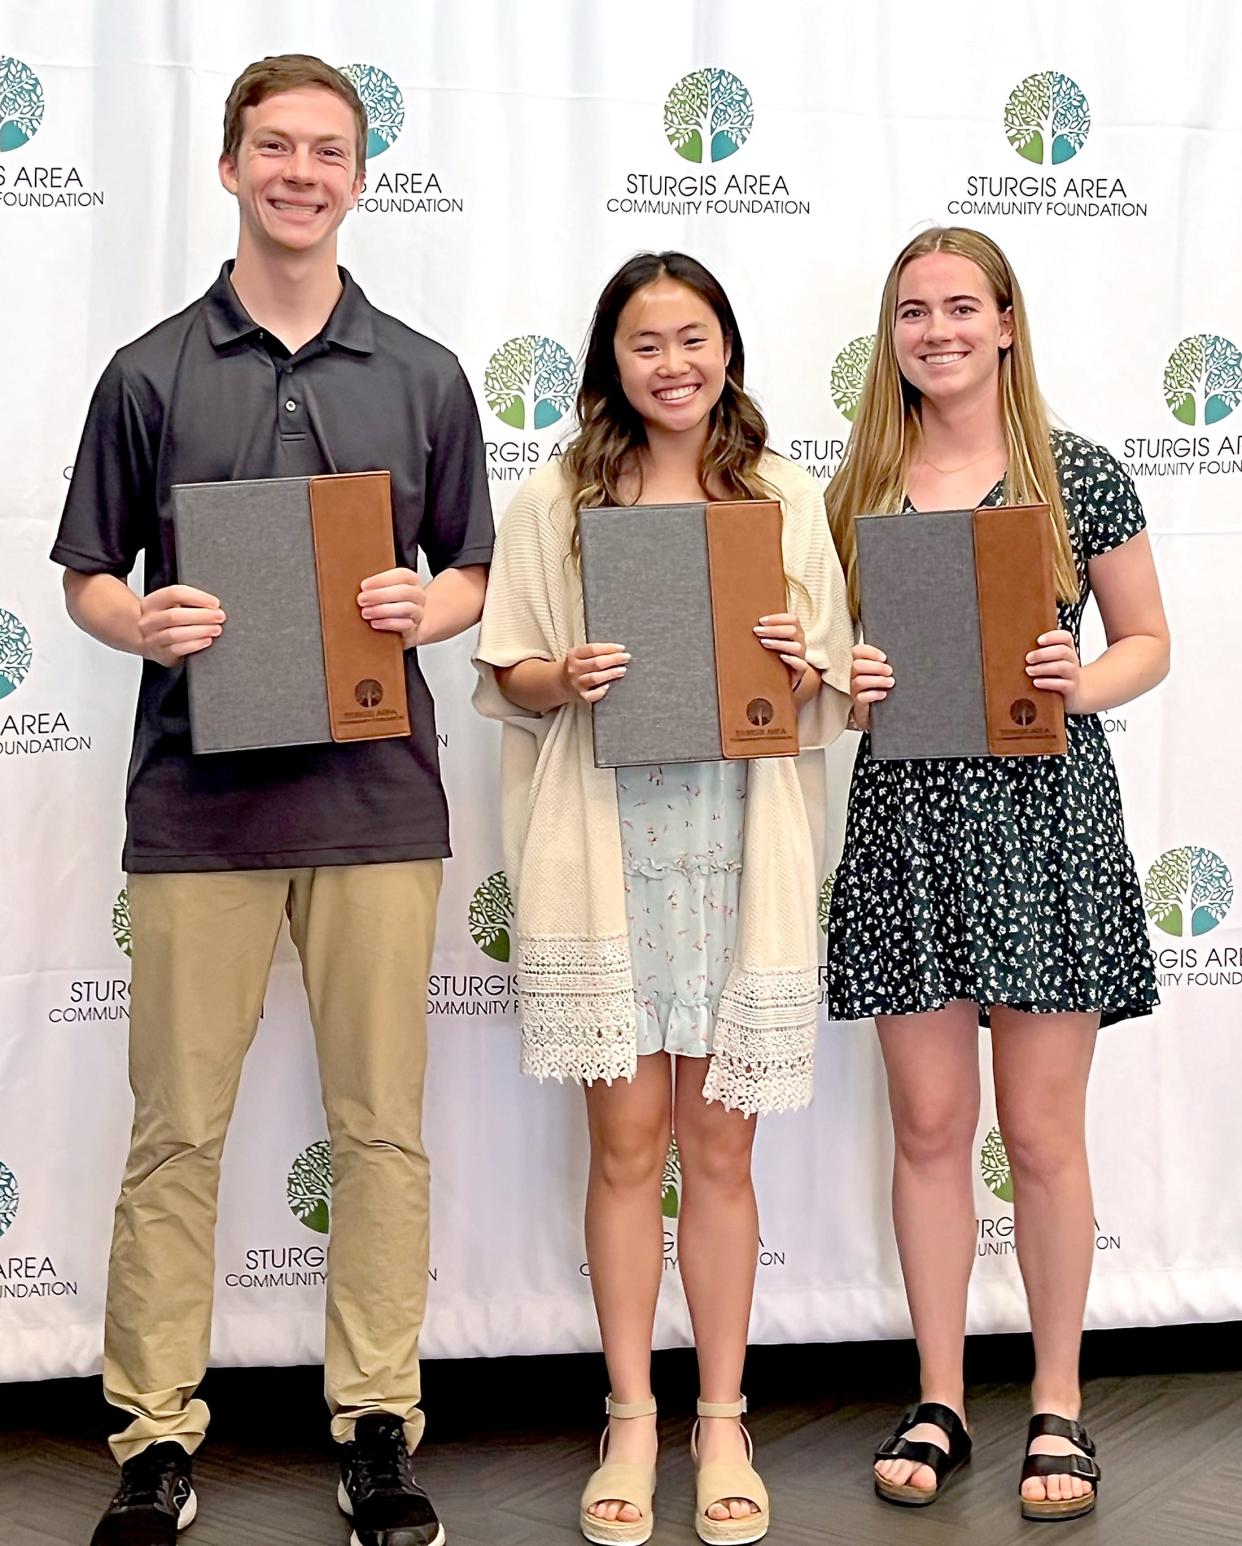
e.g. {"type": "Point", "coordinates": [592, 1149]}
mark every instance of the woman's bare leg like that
{"type": "Point", "coordinates": [630, 1125]}
{"type": "Point", "coordinates": [1040, 1064]}
{"type": "Point", "coordinates": [717, 1251]}
{"type": "Point", "coordinates": [932, 1062]}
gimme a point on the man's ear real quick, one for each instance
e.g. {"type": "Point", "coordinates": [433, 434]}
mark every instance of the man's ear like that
{"type": "Point", "coordinates": [228, 172]}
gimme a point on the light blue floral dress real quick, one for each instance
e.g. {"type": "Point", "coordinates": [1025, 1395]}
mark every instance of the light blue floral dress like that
{"type": "Point", "coordinates": [681, 852]}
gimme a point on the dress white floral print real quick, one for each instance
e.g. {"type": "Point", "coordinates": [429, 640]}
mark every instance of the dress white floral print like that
{"type": "Point", "coordinates": [1006, 880]}
{"type": "Point", "coordinates": [681, 852]}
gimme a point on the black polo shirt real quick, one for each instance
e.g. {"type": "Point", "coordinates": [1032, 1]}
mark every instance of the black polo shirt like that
{"type": "Point", "coordinates": [207, 396]}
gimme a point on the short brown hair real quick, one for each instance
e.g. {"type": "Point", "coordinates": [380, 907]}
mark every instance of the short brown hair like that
{"type": "Point", "coordinates": [286, 72]}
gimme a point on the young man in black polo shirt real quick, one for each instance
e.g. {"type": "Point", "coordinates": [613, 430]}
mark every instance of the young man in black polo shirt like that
{"type": "Point", "coordinates": [282, 368]}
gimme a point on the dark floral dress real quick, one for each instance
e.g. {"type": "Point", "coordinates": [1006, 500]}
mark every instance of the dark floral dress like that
{"type": "Point", "coordinates": [1006, 880]}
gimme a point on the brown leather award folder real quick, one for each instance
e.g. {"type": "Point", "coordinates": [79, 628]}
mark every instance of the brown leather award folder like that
{"type": "Point", "coordinates": [682, 587]}
{"type": "Point", "coordinates": [956, 598]}
{"type": "Point", "coordinates": [351, 520]}
{"type": "Point", "coordinates": [758, 717]}
{"type": "Point", "coordinates": [1017, 602]}
{"type": "Point", "coordinates": [297, 663]}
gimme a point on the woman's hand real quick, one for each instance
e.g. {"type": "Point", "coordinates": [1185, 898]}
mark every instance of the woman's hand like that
{"type": "Point", "coordinates": [871, 680]}
{"type": "Point", "coordinates": [1054, 666]}
{"type": "Point", "coordinates": [588, 670]}
{"type": "Point", "coordinates": [782, 632]}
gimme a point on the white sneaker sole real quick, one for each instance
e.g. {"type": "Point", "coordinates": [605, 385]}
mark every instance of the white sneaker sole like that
{"type": "Point", "coordinates": [189, 1511]}
{"type": "Point", "coordinates": [346, 1507]}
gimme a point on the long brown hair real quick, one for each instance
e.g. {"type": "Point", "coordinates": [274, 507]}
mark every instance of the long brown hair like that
{"type": "Point", "coordinates": [872, 475]}
{"type": "Point", "coordinates": [610, 433]}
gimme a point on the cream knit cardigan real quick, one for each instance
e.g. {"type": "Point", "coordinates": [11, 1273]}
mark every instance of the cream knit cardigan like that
{"type": "Point", "coordinates": [561, 829]}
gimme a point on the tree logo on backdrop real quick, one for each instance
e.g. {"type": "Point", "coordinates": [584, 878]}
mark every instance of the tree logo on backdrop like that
{"type": "Point", "coordinates": [16, 653]}
{"type": "Point", "coordinates": [849, 371]}
{"type": "Point", "coordinates": [825, 900]}
{"type": "Point", "coordinates": [309, 1187]}
{"type": "Point", "coordinates": [381, 96]}
{"type": "Point", "coordinates": [21, 103]}
{"type": "Point", "coordinates": [994, 1166]}
{"type": "Point", "coordinates": [1203, 379]}
{"type": "Point", "coordinates": [708, 115]}
{"type": "Point", "coordinates": [121, 931]}
{"type": "Point", "coordinates": [670, 1186]}
{"type": "Point", "coordinates": [8, 1197]}
{"type": "Point", "coordinates": [490, 917]}
{"type": "Point", "coordinates": [530, 382]}
{"type": "Point", "coordinates": [1188, 891]}
{"type": "Point", "coordinates": [1047, 118]}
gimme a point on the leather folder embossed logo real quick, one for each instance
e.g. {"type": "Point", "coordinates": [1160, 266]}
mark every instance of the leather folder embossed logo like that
{"type": "Point", "coordinates": [297, 663]}
{"type": "Point", "coordinates": [682, 587]}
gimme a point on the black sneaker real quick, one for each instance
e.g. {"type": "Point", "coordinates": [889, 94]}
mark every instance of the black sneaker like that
{"type": "Point", "coordinates": [154, 1501]}
{"type": "Point", "coordinates": [378, 1490]}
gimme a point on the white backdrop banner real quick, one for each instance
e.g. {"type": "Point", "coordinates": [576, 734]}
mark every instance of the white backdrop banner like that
{"type": "Point", "coordinates": [520, 151]}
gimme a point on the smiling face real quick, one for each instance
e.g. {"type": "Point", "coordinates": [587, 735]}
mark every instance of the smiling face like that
{"type": "Point", "coordinates": [948, 329]}
{"type": "Point", "coordinates": [671, 355]}
{"type": "Point", "coordinates": [295, 174]}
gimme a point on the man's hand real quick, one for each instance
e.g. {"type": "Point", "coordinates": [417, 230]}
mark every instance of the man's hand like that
{"type": "Point", "coordinates": [393, 602]}
{"type": "Point", "coordinates": [177, 621]}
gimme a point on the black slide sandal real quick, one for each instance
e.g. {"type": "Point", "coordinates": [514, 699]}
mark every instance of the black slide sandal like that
{"type": "Point", "coordinates": [1085, 1467]}
{"type": "Point", "coordinates": [923, 1452]}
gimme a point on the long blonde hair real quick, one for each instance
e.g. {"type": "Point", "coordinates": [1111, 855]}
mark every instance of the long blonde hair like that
{"type": "Point", "coordinates": [610, 433]}
{"type": "Point", "coordinates": [887, 428]}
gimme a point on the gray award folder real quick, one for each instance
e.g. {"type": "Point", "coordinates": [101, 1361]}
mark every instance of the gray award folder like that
{"type": "Point", "coordinates": [261, 683]}
{"type": "Point", "coordinates": [920, 603]}
{"type": "Point", "coordinates": [665, 625]}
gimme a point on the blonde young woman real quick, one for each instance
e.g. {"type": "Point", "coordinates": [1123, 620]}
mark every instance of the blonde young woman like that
{"type": "Point", "coordinates": [666, 917]}
{"type": "Point", "coordinates": [993, 890]}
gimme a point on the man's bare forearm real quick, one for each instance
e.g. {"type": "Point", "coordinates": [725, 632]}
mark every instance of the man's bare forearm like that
{"type": "Point", "coordinates": [104, 607]}
{"type": "Point", "coordinates": [454, 603]}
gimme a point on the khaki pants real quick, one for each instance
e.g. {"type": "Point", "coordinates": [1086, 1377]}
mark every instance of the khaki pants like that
{"type": "Point", "coordinates": [202, 951]}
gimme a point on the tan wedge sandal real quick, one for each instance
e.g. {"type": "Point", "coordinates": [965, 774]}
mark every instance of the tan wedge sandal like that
{"type": "Point", "coordinates": [632, 1484]}
{"type": "Point", "coordinates": [723, 1479]}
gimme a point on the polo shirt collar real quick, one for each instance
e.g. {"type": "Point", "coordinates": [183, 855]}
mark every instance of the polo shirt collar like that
{"type": "Point", "coordinates": [349, 327]}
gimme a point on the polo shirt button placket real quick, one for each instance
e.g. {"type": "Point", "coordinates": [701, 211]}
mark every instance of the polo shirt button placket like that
{"type": "Point", "coordinates": [292, 426]}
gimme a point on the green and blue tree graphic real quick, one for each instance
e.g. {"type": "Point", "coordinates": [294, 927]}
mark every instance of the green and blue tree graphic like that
{"type": "Point", "coordinates": [16, 653]}
{"type": "Point", "coordinates": [708, 115]}
{"type": "Point", "coordinates": [825, 900]}
{"type": "Point", "coordinates": [1188, 891]}
{"type": "Point", "coordinates": [670, 1185]}
{"type": "Point", "coordinates": [994, 1166]}
{"type": "Point", "coordinates": [1203, 379]}
{"type": "Point", "coordinates": [1047, 118]}
{"type": "Point", "coordinates": [309, 1188]}
{"type": "Point", "coordinates": [121, 931]}
{"type": "Point", "coordinates": [21, 103]}
{"type": "Point", "coordinates": [530, 382]}
{"type": "Point", "coordinates": [849, 372]}
{"type": "Point", "coordinates": [381, 96]}
{"type": "Point", "coordinates": [490, 916]}
{"type": "Point", "coordinates": [8, 1198]}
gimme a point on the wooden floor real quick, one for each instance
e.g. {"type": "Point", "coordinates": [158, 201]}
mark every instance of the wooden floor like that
{"type": "Point", "coordinates": [510, 1444]}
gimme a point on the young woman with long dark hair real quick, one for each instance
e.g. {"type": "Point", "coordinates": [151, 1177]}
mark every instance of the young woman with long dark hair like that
{"type": "Point", "coordinates": [666, 916]}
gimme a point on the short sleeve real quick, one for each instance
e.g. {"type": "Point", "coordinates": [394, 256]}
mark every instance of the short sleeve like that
{"type": "Point", "coordinates": [529, 610]}
{"type": "Point", "coordinates": [1111, 512]}
{"type": "Point", "coordinates": [111, 501]}
{"type": "Point", "coordinates": [818, 599]}
{"type": "Point", "coordinates": [456, 529]}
